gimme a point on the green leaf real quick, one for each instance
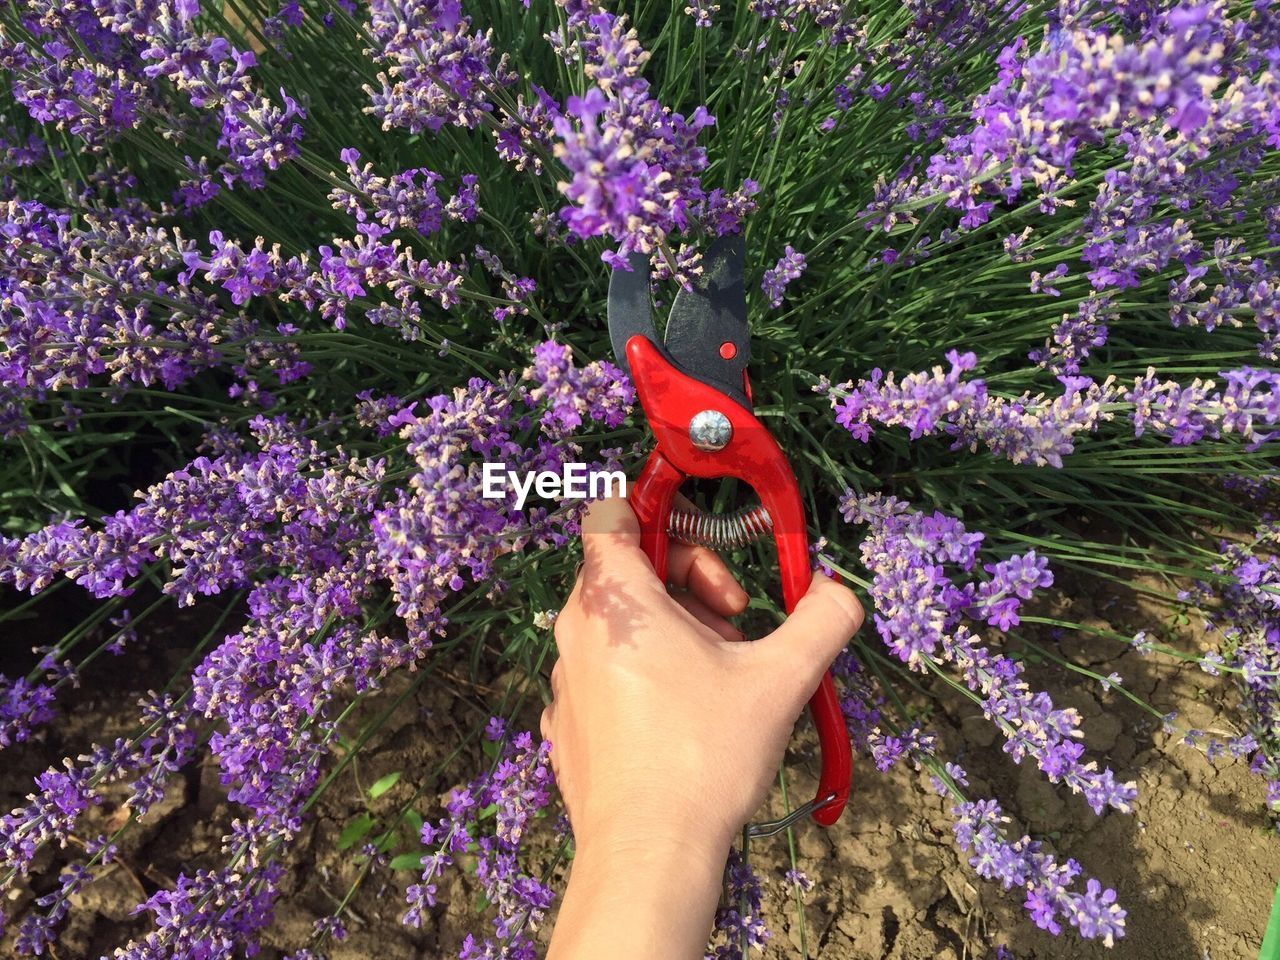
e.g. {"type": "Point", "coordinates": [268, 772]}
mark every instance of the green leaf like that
{"type": "Point", "coordinates": [407, 861]}
{"type": "Point", "coordinates": [355, 831]}
{"type": "Point", "coordinates": [384, 784]}
{"type": "Point", "coordinates": [414, 819]}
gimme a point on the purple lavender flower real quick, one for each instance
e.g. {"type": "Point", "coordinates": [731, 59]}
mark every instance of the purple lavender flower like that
{"type": "Point", "coordinates": [919, 609]}
{"type": "Point", "coordinates": [256, 134]}
{"type": "Point", "coordinates": [382, 414]}
{"type": "Point", "coordinates": [105, 305]}
{"type": "Point", "coordinates": [52, 813]}
{"type": "Point", "coordinates": [1045, 105]}
{"type": "Point", "coordinates": [617, 189]}
{"type": "Point", "coordinates": [430, 538]}
{"type": "Point", "coordinates": [1012, 581]}
{"type": "Point", "coordinates": [516, 289]}
{"type": "Point", "coordinates": [920, 402]}
{"type": "Point", "coordinates": [799, 880]}
{"type": "Point", "coordinates": [1187, 414]}
{"type": "Point", "coordinates": [1036, 430]}
{"type": "Point", "coordinates": [1027, 429]}
{"type": "Point", "coordinates": [888, 749]}
{"type": "Point", "coordinates": [722, 212]}
{"type": "Point", "coordinates": [635, 164]}
{"type": "Point", "coordinates": [1244, 610]}
{"type": "Point", "coordinates": [860, 702]}
{"type": "Point", "coordinates": [1013, 246]}
{"type": "Point", "coordinates": [405, 201]}
{"type": "Point", "coordinates": [788, 268]}
{"type": "Point", "coordinates": [738, 918]}
{"type": "Point", "coordinates": [24, 706]}
{"type": "Point", "coordinates": [702, 12]}
{"type": "Point", "coordinates": [517, 788]}
{"type": "Point", "coordinates": [1074, 337]}
{"type": "Point", "coordinates": [833, 18]}
{"type": "Point", "coordinates": [437, 71]}
{"type": "Point", "coordinates": [1043, 283]}
{"type": "Point", "coordinates": [979, 830]}
{"type": "Point", "coordinates": [600, 390]}
{"type": "Point", "coordinates": [1248, 284]}
{"type": "Point", "coordinates": [349, 269]}
{"type": "Point", "coordinates": [526, 136]}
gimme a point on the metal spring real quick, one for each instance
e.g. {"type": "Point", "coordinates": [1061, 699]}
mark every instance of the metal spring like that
{"type": "Point", "coordinates": [719, 531]}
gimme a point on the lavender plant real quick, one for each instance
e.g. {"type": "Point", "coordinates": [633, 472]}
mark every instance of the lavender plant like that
{"type": "Point", "coordinates": [278, 279]}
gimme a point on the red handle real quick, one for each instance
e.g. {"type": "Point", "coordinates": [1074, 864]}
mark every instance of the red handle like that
{"type": "Point", "coordinates": [670, 400]}
{"type": "Point", "coordinates": [781, 499]}
{"type": "Point", "coordinates": [651, 497]}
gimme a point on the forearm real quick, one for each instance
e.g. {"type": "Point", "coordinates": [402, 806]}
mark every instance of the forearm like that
{"type": "Point", "coordinates": [645, 902]}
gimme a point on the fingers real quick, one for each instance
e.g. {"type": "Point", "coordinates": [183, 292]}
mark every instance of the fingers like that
{"type": "Point", "coordinates": [547, 723]}
{"type": "Point", "coordinates": [548, 714]}
{"type": "Point", "coordinates": [705, 575]}
{"type": "Point", "coordinates": [709, 617]}
{"type": "Point", "coordinates": [819, 628]}
{"type": "Point", "coordinates": [615, 583]}
{"type": "Point", "coordinates": [566, 627]}
{"type": "Point", "coordinates": [611, 539]}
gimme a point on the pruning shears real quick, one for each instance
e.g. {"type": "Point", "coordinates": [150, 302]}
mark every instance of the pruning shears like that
{"type": "Point", "coordinates": [694, 391]}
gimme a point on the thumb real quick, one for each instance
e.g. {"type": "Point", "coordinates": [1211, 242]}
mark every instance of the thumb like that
{"type": "Point", "coordinates": [820, 627]}
{"type": "Point", "coordinates": [611, 543]}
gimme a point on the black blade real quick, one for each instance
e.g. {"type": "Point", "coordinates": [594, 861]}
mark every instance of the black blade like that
{"type": "Point", "coordinates": [630, 310]}
{"type": "Point", "coordinates": [710, 316]}
{"type": "Point", "coordinates": [702, 321]}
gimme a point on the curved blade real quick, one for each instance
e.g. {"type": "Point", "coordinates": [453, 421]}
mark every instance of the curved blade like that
{"type": "Point", "coordinates": [710, 321]}
{"type": "Point", "coordinates": [630, 310]}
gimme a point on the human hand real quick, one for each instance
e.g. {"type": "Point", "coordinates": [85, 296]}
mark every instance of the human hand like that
{"type": "Point", "coordinates": [666, 731]}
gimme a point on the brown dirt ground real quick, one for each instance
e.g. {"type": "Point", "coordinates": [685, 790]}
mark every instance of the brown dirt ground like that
{"type": "Point", "coordinates": [1195, 865]}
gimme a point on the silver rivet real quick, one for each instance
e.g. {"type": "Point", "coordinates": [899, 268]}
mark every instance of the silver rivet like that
{"type": "Point", "coordinates": [710, 430]}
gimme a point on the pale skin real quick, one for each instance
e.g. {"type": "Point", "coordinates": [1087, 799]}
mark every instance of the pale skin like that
{"type": "Point", "coordinates": [666, 734]}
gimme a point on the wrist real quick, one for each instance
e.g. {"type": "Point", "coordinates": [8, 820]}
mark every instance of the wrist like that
{"type": "Point", "coordinates": [635, 837]}
{"type": "Point", "coordinates": [639, 898]}
{"type": "Point", "coordinates": [649, 821]}
{"type": "Point", "coordinates": [654, 859]}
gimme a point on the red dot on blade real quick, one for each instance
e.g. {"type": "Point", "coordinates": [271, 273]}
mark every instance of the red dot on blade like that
{"type": "Point", "coordinates": [728, 350]}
